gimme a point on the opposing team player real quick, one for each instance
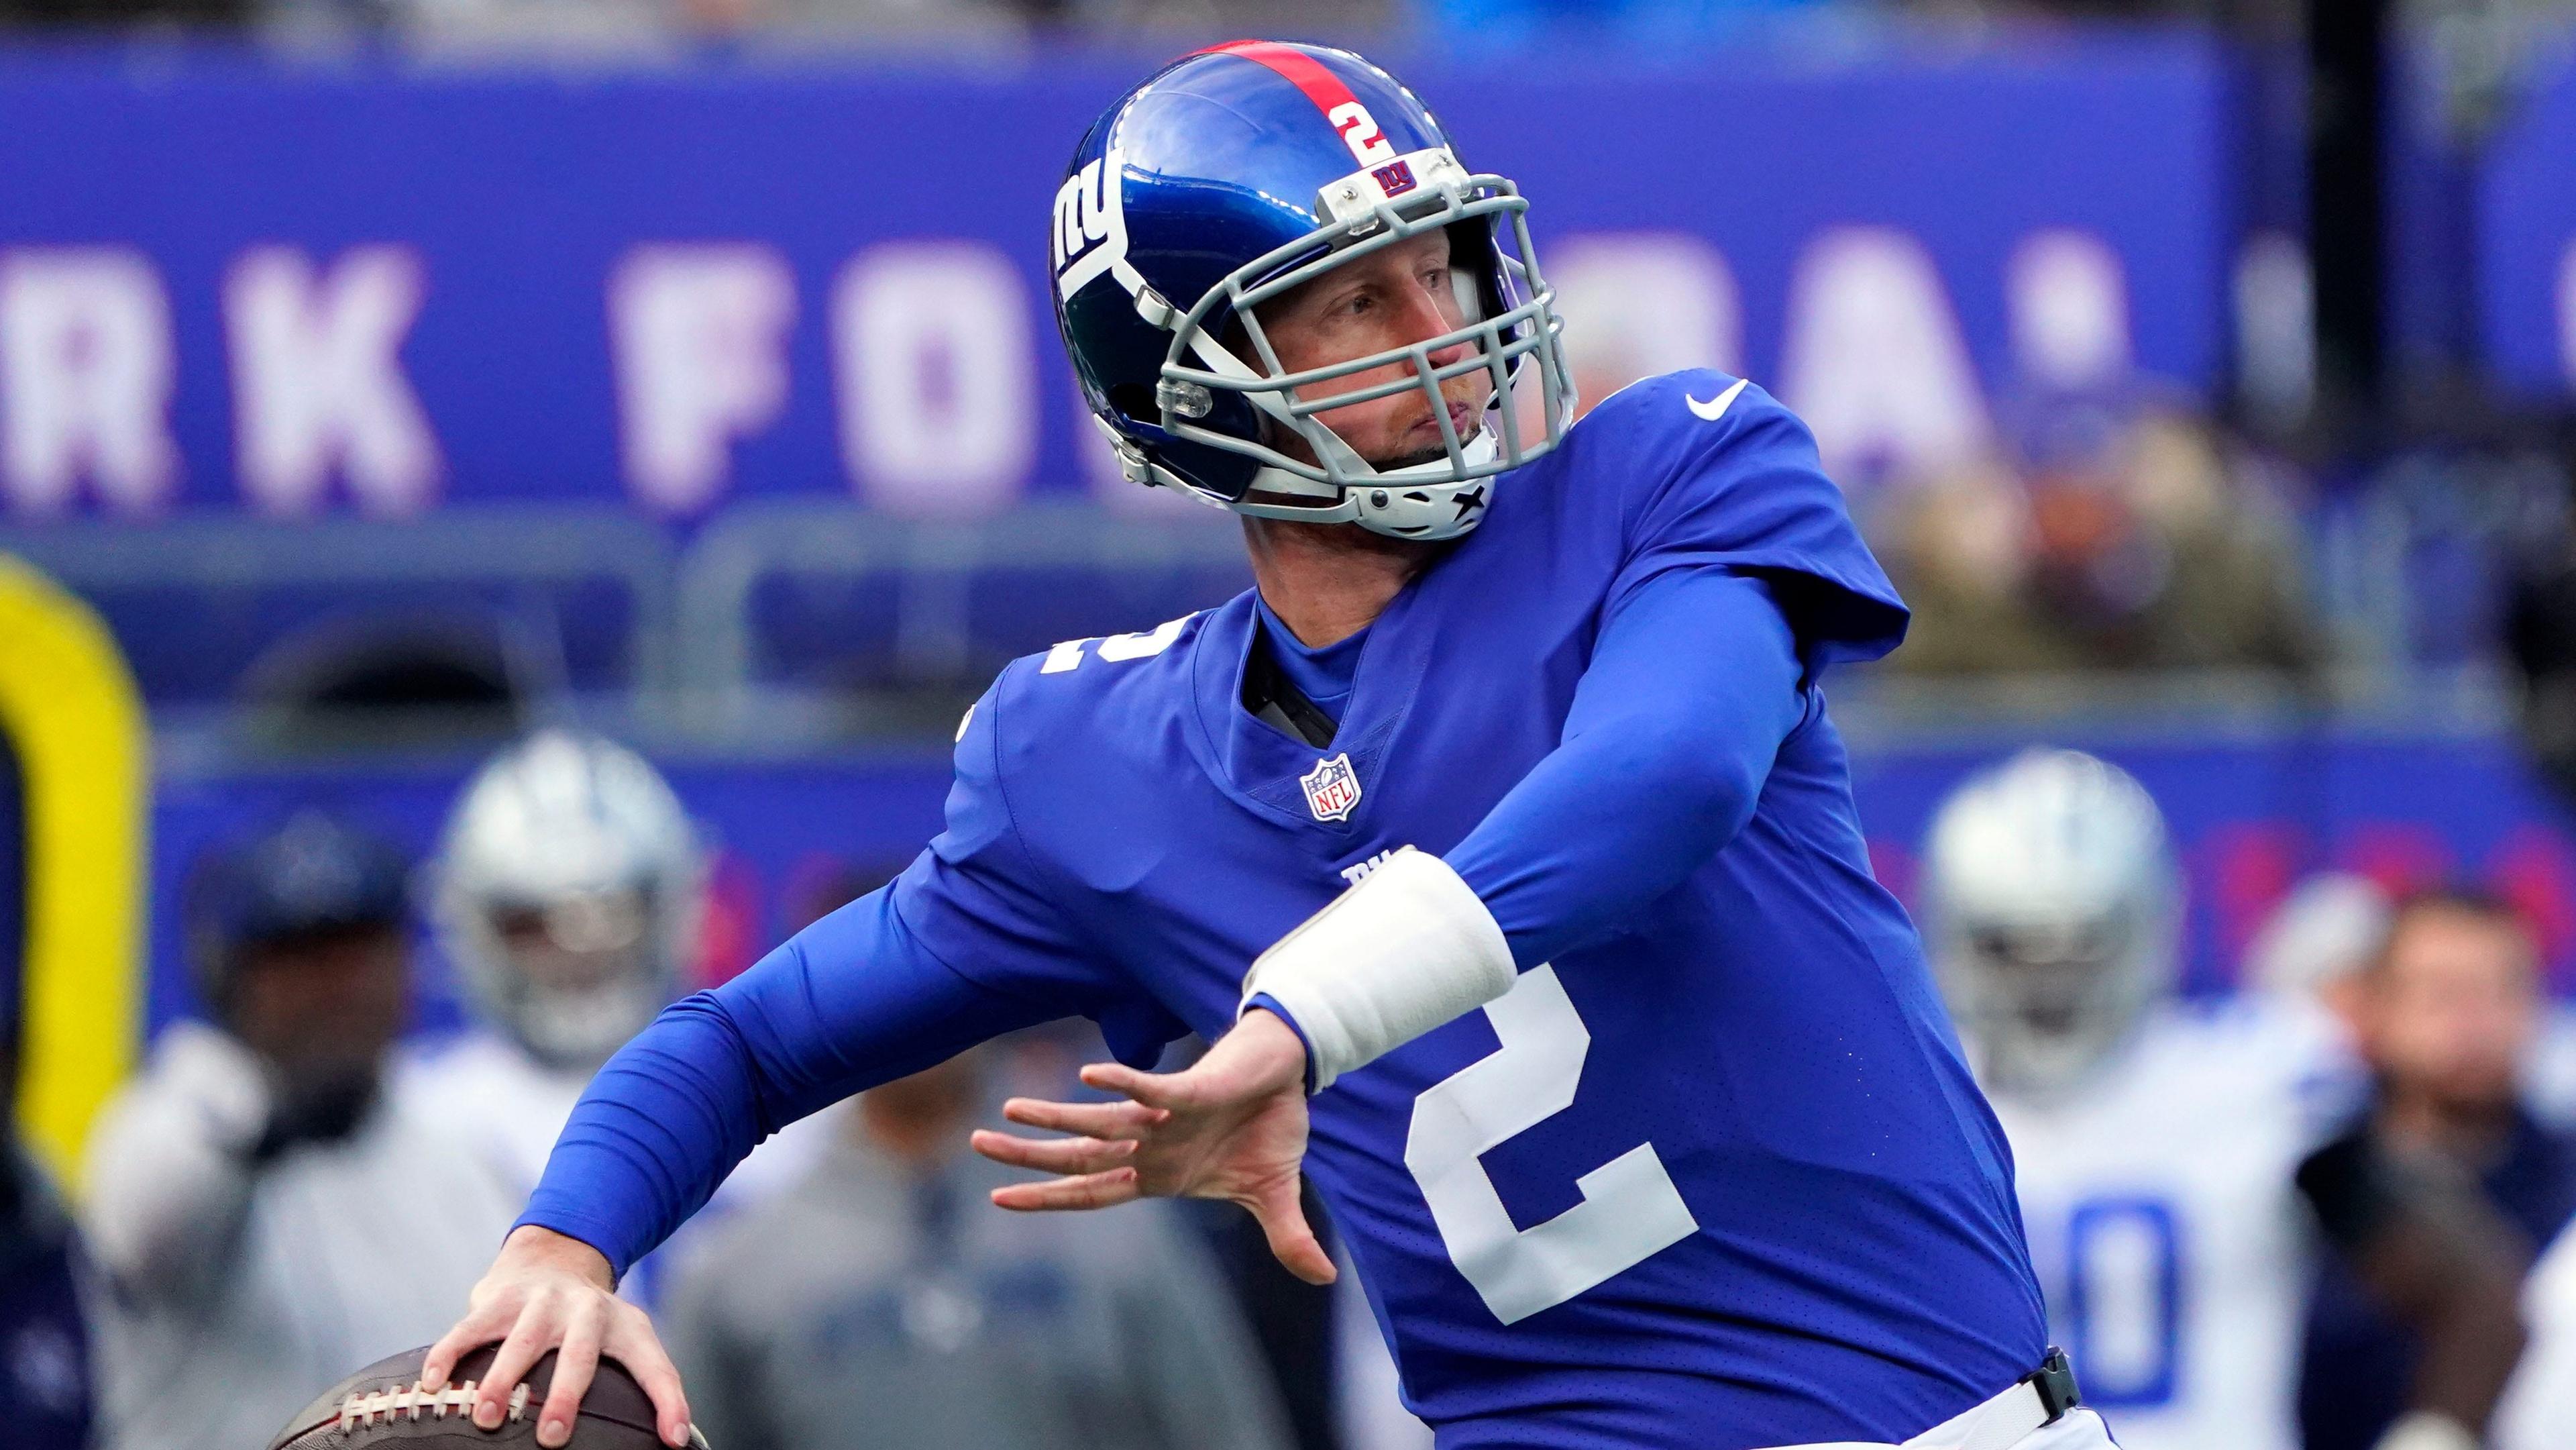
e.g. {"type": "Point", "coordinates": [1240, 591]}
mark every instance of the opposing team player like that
{"type": "Point", "coordinates": [567, 893]}
{"type": "Point", "coordinates": [1511, 786]}
{"type": "Point", "coordinates": [2158, 1146]}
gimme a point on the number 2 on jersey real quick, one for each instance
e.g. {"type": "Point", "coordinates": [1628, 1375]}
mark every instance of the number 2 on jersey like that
{"type": "Point", "coordinates": [1630, 1208]}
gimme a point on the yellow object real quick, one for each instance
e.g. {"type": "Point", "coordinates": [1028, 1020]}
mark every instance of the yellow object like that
{"type": "Point", "coordinates": [71, 711]}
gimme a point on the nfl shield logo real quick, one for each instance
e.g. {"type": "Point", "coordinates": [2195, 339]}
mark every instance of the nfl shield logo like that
{"type": "Point", "coordinates": [1332, 789]}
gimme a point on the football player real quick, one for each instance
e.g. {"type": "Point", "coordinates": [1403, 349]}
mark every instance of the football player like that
{"type": "Point", "coordinates": [2158, 1146]}
{"type": "Point", "coordinates": [1499, 840]}
{"type": "Point", "coordinates": [2540, 1404]}
{"type": "Point", "coordinates": [268, 1215]}
{"type": "Point", "coordinates": [567, 894]}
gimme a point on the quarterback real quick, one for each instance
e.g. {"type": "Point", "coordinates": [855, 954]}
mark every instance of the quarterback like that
{"type": "Point", "coordinates": [1499, 841]}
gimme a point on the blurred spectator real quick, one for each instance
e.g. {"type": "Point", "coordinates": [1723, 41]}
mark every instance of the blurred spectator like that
{"type": "Point", "coordinates": [1368, 1395]}
{"type": "Point", "coordinates": [1187, 20]}
{"type": "Point", "coordinates": [100, 14]}
{"type": "Point", "coordinates": [1299, 1332]}
{"type": "Point", "coordinates": [1295, 1325]}
{"type": "Point", "coordinates": [928, 26]}
{"type": "Point", "coordinates": [269, 1215]}
{"type": "Point", "coordinates": [45, 1352]}
{"type": "Point", "coordinates": [2325, 934]}
{"type": "Point", "coordinates": [882, 1301]}
{"type": "Point", "coordinates": [2445, 1015]}
{"type": "Point", "coordinates": [568, 893]}
{"type": "Point", "coordinates": [2122, 540]}
{"type": "Point", "coordinates": [628, 24]}
{"type": "Point", "coordinates": [2276, 19]}
{"type": "Point", "coordinates": [1654, 22]}
{"type": "Point", "coordinates": [45, 1349]}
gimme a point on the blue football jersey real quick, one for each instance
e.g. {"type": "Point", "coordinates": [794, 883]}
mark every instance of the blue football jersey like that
{"type": "Point", "coordinates": [1717, 1179]}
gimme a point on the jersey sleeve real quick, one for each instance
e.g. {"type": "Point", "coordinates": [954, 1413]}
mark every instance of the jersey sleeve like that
{"type": "Point", "coordinates": [1673, 730]}
{"type": "Point", "coordinates": [991, 909]}
{"type": "Point", "coordinates": [967, 944]}
{"type": "Point", "coordinates": [1745, 491]}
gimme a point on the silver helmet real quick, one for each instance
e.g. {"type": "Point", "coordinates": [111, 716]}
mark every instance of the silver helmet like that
{"type": "Point", "coordinates": [568, 891]}
{"type": "Point", "coordinates": [2053, 909]}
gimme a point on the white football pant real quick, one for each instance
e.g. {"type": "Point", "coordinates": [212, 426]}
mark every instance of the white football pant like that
{"type": "Point", "coordinates": [2009, 1421]}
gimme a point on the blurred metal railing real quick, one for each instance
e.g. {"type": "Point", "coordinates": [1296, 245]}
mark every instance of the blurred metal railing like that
{"type": "Point", "coordinates": [929, 609]}
{"type": "Point", "coordinates": [933, 567]}
{"type": "Point", "coordinates": [509, 554]}
{"type": "Point", "coordinates": [1877, 706]}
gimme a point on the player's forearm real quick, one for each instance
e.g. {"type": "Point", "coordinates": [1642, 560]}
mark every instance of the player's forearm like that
{"type": "Point", "coordinates": [660, 1126]}
{"type": "Point", "coordinates": [1692, 687]}
{"type": "Point", "coordinates": [167, 1198]}
{"type": "Point", "coordinates": [172, 1167]}
{"type": "Point", "coordinates": [852, 1001]}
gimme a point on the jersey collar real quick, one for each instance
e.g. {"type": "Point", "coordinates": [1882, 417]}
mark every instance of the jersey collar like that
{"type": "Point", "coordinates": [1258, 764]}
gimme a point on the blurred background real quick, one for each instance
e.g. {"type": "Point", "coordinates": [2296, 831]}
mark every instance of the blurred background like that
{"type": "Point", "coordinates": [511, 497]}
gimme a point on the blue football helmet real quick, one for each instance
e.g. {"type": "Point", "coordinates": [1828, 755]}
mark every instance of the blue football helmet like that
{"type": "Point", "coordinates": [1229, 178]}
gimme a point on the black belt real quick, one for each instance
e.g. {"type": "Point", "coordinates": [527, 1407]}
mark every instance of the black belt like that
{"type": "Point", "coordinates": [2055, 1382]}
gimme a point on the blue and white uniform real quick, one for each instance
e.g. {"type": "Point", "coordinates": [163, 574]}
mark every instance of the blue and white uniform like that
{"type": "Point", "coordinates": [2166, 1220]}
{"type": "Point", "coordinates": [1712, 1175]}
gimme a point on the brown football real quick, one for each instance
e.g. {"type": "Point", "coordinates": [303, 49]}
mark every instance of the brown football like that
{"type": "Point", "coordinates": [383, 1405]}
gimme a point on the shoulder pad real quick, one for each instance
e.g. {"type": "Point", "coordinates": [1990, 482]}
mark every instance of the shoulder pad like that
{"type": "Point", "coordinates": [1063, 692]}
{"type": "Point", "coordinates": [1684, 403]}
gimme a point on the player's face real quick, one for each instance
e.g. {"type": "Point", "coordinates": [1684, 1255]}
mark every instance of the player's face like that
{"type": "Point", "coordinates": [576, 943]}
{"type": "Point", "coordinates": [2451, 1009]}
{"type": "Point", "coordinates": [1391, 298]}
{"type": "Point", "coordinates": [2050, 977]}
{"type": "Point", "coordinates": [327, 1003]}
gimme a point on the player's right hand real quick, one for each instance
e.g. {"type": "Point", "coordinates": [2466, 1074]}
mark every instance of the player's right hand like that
{"type": "Point", "coordinates": [550, 1291]}
{"type": "Point", "coordinates": [1230, 1126]}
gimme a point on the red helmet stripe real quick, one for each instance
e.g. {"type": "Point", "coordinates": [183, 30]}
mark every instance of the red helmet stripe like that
{"type": "Point", "coordinates": [1301, 70]}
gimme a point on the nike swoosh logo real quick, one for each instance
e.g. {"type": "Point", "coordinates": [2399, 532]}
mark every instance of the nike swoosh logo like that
{"type": "Point", "coordinates": [1715, 408]}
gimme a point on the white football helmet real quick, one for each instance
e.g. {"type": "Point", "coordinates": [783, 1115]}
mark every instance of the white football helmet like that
{"type": "Point", "coordinates": [568, 892]}
{"type": "Point", "coordinates": [2326, 929]}
{"type": "Point", "coordinates": [2053, 909]}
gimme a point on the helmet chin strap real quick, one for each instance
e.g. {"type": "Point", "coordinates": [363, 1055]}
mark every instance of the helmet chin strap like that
{"type": "Point", "coordinates": [1345, 505]}
{"type": "Point", "coordinates": [1431, 468]}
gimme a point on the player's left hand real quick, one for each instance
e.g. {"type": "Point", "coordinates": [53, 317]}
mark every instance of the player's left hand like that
{"type": "Point", "coordinates": [1230, 1126]}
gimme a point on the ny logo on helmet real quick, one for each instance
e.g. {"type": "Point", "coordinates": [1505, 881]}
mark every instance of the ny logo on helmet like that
{"type": "Point", "coordinates": [1090, 230]}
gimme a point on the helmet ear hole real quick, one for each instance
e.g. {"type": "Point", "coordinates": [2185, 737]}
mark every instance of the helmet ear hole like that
{"type": "Point", "coordinates": [1135, 402]}
{"type": "Point", "coordinates": [1472, 251]}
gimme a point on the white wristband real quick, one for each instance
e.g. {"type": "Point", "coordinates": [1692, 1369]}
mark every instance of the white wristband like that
{"type": "Point", "coordinates": [1404, 951]}
{"type": "Point", "coordinates": [2426, 1430]}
